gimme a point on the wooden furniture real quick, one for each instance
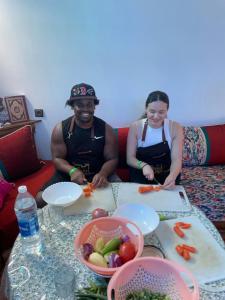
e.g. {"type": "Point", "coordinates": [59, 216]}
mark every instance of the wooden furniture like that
{"type": "Point", "coordinates": [6, 129]}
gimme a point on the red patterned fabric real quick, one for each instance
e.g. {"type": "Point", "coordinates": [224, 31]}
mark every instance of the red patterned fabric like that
{"type": "Point", "coordinates": [18, 155]}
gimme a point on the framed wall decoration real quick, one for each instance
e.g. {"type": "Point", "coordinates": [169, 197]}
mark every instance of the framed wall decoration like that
{"type": "Point", "coordinates": [17, 109]}
{"type": "Point", "coordinates": [4, 115]}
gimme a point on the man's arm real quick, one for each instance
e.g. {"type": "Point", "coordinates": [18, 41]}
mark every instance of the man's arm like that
{"type": "Point", "coordinates": [110, 156]}
{"type": "Point", "coordinates": [58, 148]}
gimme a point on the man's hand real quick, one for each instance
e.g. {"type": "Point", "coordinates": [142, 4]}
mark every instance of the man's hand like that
{"type": "Point", "coordinates": [148, 172]}
{"type": "Point", "coordinates": [169, 183]}
{"type": "Point", "coordinates": [99, 180]}
{"type": "Point", "coordinates": [78, 177]}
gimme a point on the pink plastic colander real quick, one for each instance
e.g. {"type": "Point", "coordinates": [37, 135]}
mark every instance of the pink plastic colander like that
{"type": "Point", "coordinates": [154, 274]}
{"type": "Point", "coordinates": [108, 228]}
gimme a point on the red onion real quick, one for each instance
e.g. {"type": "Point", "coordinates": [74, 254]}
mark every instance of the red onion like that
{"type": "Point", "coordinates": [98, 213]}
{"type": "Point", "coordinates": [115, 260]}
{"type": "Point", "coordinates": [87, 250]}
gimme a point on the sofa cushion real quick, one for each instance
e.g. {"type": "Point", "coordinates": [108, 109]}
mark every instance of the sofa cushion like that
{"type": "Point", "coordinates": [121, 134]}
{"type": "Point", "coordinates": [34, 182]}
{"type": "Point", "coordinates": [5, 188]}
{"type": "Point", "coordinates": [204, 145]}
{"type": "Point", "coordinates": [18, 156]}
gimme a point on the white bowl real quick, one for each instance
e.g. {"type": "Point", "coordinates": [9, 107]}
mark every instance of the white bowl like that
{"type": "Point", "coordinates": [143, 215]}
{"type": "Point", "coordinates": [62, 193]}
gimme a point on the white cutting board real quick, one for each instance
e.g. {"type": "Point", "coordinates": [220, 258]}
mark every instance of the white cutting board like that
{"type": "Point", "coordinates": [100, 198]}
{"type": "Point", "coordinates": [208, 264]}
{"type": "Point", "coordinates": [163, 200]}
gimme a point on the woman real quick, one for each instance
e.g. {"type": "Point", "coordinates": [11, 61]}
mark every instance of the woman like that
{"type": "Point", "coordinates": [154, 145]}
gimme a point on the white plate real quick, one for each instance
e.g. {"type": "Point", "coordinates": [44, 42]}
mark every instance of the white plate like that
{"type": "Point", "coordinates": [143, 215]}
{"type": "Point", "coordinates": [62, 193]}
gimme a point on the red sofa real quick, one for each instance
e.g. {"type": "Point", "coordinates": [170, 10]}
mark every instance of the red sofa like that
{"type": "Point", "coordinates": [20, 165]}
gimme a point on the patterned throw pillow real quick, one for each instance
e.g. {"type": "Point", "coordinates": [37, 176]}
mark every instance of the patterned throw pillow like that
{"type": "Point", "coordinates": [18, 155]}
{"type": "Point", "coordinates": [204, 145]}
{"type": "Point", "coordinates": [5, 188]}
{"type": "Point", "coordinates": [195, 148]}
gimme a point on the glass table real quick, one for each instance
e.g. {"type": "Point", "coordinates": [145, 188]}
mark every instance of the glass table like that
{"type": "Point", "coordinates": [31, 276]}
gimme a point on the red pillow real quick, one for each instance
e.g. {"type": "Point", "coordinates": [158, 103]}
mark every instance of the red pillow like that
{"type": "Point", "coordinates": [5, 188]}
{"type": "Point", "coordinates": [18, 155]}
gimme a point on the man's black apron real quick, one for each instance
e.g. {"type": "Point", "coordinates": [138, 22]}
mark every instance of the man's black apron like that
{"type": "Point", "coordinates": [158, 156]}
{"type": "Point", "coordinates": [85, 147]}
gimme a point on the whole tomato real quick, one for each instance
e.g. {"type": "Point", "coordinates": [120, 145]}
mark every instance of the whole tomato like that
{"type": "Point", "coordinates": [127, 251]}
{"type": "Point", "coordinates": [98, 213]}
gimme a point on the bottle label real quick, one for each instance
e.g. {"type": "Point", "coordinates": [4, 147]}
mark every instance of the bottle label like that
{"type": "Point", "coordinates": [29, 227]}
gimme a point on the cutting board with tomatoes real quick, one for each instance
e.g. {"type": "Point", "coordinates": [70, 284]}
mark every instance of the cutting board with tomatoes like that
{"type": "Point", "coordinates": [161, 200]}
{"type": "Point", "coordinates": [98, 198]}
{"type": "Point", "coordinates": [208, 263]}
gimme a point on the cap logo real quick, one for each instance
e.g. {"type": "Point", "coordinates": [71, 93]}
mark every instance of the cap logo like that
{"type": "Point", "coordinates": [83, 91]}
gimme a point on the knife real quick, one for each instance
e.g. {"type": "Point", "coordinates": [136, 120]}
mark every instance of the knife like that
{"type": "Point", "coordinates": [156, 181]}
{"type": "Point", "coordinates": [181, 195]}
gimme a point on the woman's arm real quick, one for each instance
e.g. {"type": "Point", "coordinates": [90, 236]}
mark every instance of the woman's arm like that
{"type": "Point", "coordinates": [176, 154]}
{"type": "Point", "coordinates": [132, 141]}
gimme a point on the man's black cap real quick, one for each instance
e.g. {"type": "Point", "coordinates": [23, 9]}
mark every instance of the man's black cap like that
{"type": "Point", "coordinates": [82, 91]}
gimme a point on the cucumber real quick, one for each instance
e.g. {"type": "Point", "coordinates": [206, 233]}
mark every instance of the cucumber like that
{"type": "Point", "coordinates": [111, 245]}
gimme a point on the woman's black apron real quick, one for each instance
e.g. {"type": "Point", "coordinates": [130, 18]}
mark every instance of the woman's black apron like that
{"type": "Point", "coordinates": [158, 156]}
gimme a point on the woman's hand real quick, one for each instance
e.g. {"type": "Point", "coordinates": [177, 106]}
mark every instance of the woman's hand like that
{"type": "Point", "coordinates": [148, 172]}
{"type": "Point", "coordinates": [169, 183]}
{"type": "Point", "coordinates": [78, 177]}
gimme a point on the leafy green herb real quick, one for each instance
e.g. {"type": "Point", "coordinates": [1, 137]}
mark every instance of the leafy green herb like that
{"type": "Point", "coordinates": [94, 291]}
{"type": "Point", "coordinates": [146, 295]}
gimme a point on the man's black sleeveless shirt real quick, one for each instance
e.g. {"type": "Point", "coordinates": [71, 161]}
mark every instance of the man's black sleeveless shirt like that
{"type": "Point", "coordinates": [83, 151]}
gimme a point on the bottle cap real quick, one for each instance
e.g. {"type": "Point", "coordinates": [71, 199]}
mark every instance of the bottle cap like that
{"type": "Point", "coordinates": [22, 189]}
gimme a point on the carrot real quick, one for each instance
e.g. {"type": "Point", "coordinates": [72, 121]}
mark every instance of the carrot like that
{"type": "Point", "coordinates": [180, 250]}
{"type": "Point", "coordinates": [86, 190]}
{"type": "Point", "coordinates": [178, 231]}
{"type": "Point", "coordinates": [186, 254]}
{"type": "Point", "coordinates": [87, 194]}
{"type": "Point", "coordinates": [179, 224]}
{"type": "Point", "coordinates": [189, 248]}
{"type": "Point", "coordinates": [157, 188]}
{"type": "Point", "coordinates": [183, 225]}
{"type": "Point", "coordinates": [91, 186]}
{"type": "Point", "coordinates": [145, 189]}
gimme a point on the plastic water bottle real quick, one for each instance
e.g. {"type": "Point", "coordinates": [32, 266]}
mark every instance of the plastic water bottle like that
{"type": "Point", "coordinates": [26, 212]}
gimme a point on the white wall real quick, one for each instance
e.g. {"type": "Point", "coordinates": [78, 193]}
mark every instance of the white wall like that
{"type": "Point", "coordinates": [124, 48]}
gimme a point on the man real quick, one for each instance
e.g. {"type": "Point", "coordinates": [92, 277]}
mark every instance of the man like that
{"type": "Point", "coordinates": [84, 147]}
